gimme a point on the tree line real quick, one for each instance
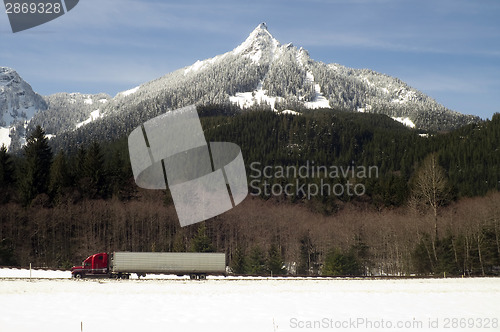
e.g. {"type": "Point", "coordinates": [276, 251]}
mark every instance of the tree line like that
{"type": "Point", "coordinates": [424, 214]}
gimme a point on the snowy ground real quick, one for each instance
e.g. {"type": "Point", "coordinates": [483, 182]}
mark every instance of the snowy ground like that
{"type": "Point", "coordinates": [231, 304]}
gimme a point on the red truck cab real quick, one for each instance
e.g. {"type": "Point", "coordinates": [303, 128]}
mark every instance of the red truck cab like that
{"type": "Point", "coordinates": [95, 266]}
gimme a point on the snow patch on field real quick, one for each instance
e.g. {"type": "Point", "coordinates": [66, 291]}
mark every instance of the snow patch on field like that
{"type": "Point", "coordinates": [88, 101]}
{"type": "Point", "coordinates": [406, 121]}
{"type": "Point", "coordinates": [4, 137]}
{"type": "Point", "coordinates": [35, 273]}
{"type": "Point", "coordinates": [243, 304]}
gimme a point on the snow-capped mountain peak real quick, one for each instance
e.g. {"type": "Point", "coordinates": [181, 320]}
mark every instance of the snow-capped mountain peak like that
{"type": "Point", "coordinates": [262, 72]}
{"type": "Point", "coordinates": [18, 104]}
{"type": "Point", "coordinates": [259, 73]}
{"type": "Point", "coordinates": [260, 45]}
{"type": "Point", "coordinates": [18, 101]}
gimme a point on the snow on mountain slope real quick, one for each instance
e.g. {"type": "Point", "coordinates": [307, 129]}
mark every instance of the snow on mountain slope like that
{"type": "Point", "coordinates": [18, 101]}
{"type": "Point", "coordinates": [259, 72]}
{"type": "Point", "coordinates": [18, 104]}
{"type": "Point", "coordinates": [199, 65]}
{"type": "Point", "coordinates": [128, 92]}
{"type": "Point", "coordinates": [21, 109]}
{"type": "Point", "coordinates": [290, 112]}
{"type": "Point", "coordinates": [259, 46]}
{"type": "Point", "coordinates": [254, 98]}
{"type": "Point", "coordinates": [4, 137]}
{"type": "Point", "coordinates": [406, 121]}
{"type": "Point", "coordinates": [319, 100]}
{"type": "Point", "coordinates": [93, 116]}
{"type": "Point", "coordinates": [68, 111]}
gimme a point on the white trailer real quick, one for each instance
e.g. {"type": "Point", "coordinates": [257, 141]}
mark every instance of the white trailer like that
{"type": "Point", "coordinates": [196, 265]}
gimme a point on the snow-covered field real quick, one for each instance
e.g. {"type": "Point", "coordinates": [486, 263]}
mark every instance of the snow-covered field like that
{"type": "Point", "coordinates": [246, 304]}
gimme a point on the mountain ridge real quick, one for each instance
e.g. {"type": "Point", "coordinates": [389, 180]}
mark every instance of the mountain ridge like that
{"type": "Point", "coordinates": [259, 73]}
{"type": "Point", "coordinates": [18, 104]}
{"type": "Point", "coordinates": [264, 59]}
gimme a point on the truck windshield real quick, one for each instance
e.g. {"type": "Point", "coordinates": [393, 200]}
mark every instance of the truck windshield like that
{"type": "Point", "coordinates": [87, 262]}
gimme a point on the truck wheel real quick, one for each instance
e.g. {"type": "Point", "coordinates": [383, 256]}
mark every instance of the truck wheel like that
{"type": "Point", "coordinates": [193, 276]}
{"type": "Point", "coordinates": [125, 276]}
{"type": "Point", "coordinates": [202, 276]}
{"type": "Point", "coordinates": [78, 276]}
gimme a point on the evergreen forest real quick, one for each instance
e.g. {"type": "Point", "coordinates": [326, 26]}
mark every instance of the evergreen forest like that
{"type": "Point", "coordinates": [432, 209]}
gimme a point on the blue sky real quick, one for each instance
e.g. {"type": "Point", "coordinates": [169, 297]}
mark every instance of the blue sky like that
{"type": "Point", "coordinates": [449, 49]}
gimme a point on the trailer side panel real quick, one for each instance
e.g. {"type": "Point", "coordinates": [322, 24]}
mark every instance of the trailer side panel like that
{"type": "Point", "coordinates": [168, 262]}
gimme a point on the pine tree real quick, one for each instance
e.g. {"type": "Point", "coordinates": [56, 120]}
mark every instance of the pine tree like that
{"type": "Point", "coordinates": [94, 172]}
{"type": "Point", "coordinates": [341, 264]}
{"type": "Point", "coordinates": [275, 261]}
{"type": "Point", "coordinates": [6, 168]}
{"type": "Point", "coordinates": [80, 163]}
{"type": "Point", "coordinates": [6, 174]}
{"type": "Point", "coordinates": [116, 172]}
{"type": "Point", "coordinates": [201, 242]}
{"type": "Point", "coordinates": [59, 175]}
{"type": "Point", "coordinates": [38, 158]}
{"type": "Point", "coordinates": [179, 244]}
{"type": "Point", "coordinates": [7, 256]}
{"type": "Point", "coordinates": [256, 261]}
{"type": "Point", "coordinates": [238, 263]}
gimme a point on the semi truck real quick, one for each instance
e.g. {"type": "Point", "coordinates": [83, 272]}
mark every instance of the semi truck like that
{"type": "Point", "coordinates": [121, 265]}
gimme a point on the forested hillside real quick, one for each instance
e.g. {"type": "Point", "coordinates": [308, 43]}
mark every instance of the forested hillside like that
{"type": "Point", "coordinates": [58, 207]}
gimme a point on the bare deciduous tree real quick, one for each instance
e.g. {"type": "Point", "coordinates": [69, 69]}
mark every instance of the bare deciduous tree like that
{"type": "Point", "coordinates": [431, 188]}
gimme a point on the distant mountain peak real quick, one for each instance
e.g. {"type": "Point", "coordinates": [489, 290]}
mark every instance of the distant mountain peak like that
{"type": "Point", "coordinates": [260, 73]}
{"type": "Point", "coordinates": [283, 76]}
{"type": "Point", "coordinates": [18, 104]}
{"type": "Point", "coordinates": [262, 26]}
{"type": "Point", "coordinates": [5, 70]}
{"type": "Point", "coordinates": [8, 76]}
{"type": "Point", "coordinates": [259, 45]}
